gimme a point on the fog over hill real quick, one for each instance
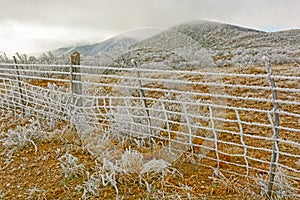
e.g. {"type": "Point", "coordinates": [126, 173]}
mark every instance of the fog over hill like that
{"type": "Point", "coordinates": [189, 43]}
{"type": "Point", "coordinates": [208, 34]}
{"type": "Point", "coordinates": [214, 35]}
{"type": "Point", "coordinates": [127, 39]}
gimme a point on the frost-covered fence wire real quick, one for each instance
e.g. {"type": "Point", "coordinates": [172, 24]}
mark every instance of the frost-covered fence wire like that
{"type": "Point", "coordinates": [222, 117]}
{"type": "Point", "coordinates": [39, 94]}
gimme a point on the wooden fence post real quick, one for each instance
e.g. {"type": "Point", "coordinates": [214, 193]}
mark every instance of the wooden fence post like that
{"type": "Point", "coordinates": [76, 85]}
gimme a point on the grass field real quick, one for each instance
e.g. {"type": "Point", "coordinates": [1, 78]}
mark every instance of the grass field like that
{"type": "Point", "coordinates": [34, 168]}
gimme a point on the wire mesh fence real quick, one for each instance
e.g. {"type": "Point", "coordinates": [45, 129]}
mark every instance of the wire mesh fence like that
{"type": "Point", "coordinates": [222, 118]}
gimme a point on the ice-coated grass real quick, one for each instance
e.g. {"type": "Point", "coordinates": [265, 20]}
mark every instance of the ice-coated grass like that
{"type": "Point", "coordinates": [70, 166]}
{"type": "Point", "coordinates": [36, 193]}
{"type": "Point", "coordinates": [282, 188]}
{"type": "Point", "coordinates": [132, 167]}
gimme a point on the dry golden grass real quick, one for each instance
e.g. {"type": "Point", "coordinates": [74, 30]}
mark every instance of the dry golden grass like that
{"type": "Point", "coordinates": [42, 170]}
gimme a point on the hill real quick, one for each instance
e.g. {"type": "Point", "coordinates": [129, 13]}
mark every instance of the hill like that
{"type": "Point", "coordinates": [94, 49]}
{"type": "Point", "coordinates": [220, 36]}
{"type": "Point", "coordinates": [207, 34]}
{"type": "Point", "coordinates": [185, 44]}
{"type": "Point", "coordinates": [122, 40]}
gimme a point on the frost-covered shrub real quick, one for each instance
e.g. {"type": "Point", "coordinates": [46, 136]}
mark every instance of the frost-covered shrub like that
{"type": "Point", "coordinates": [70, 166]}
{"type": "Point", "coordinates": [131, 161]}
{"type": "Point", "coordinates": [129, 119]}
{"type": "Point", "coordinates": [193, 58]}
{"type": "Point", "coordinates": [36, 193]}
{"type": "Point", "coordinates": [19, 138]}
{"type": "Point", "coordinates": [25, 135]}
{"type": "Point", "coordinates": [131, 166]}
{"type": "Point", "coordinates": [282, 187]}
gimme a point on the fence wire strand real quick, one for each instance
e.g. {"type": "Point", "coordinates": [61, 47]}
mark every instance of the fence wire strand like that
{"type": "Point", "coordinates": [223, 118]}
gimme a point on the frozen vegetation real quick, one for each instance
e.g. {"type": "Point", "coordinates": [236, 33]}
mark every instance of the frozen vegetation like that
{"type": "Point", "coordinates": [140, 129]}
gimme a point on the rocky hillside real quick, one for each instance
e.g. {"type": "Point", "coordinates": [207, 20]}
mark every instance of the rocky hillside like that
{"type": "Point", "coordinates": [189, 43]}
{"type": "Point", "coordinates": [220, 36]}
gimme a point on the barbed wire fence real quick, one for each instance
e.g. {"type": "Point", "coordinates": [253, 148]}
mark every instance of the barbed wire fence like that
{"type": "Point", "coordinates": [239, 122]}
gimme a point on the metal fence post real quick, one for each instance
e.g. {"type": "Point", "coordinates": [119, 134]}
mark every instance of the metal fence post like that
{"type": "Point", "coordinates": [275, 150]}
{"type": "Point", "coordinates": [20, 86]}
{"type": "Point", "coordinates": [143, 99]}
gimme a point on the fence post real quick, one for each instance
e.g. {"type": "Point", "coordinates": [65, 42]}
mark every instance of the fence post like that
{"type": "Point", "coordinates": [142, 95]}
{"type": "Point", "coordinates": [275, 150]}
{"type": "Point", "coordinates": [76, 85]}
{"type": "Point", "coordinates": [20, 86]}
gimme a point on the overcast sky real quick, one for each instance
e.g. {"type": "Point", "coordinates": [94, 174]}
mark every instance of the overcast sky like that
{"type": "Point", "coordinates": [37, 25]}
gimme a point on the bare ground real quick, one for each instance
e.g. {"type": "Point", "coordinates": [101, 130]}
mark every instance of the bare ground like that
{"type": "Point", "coordinates": [29, 174]}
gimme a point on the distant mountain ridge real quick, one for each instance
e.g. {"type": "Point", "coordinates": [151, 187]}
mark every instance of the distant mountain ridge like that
{"type": "Point", "coordinates": [124, 39]}
{"type": "Point", "coordinates": [207, 34]}
{"type": "Point", "coordinates": [218, 36]}
{"type": "Point", "coordinates": [94, 49]}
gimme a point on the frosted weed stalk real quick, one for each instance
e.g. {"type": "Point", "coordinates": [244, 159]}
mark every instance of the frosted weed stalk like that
{"type": "Point", "coordinates": [14, 140]}
{"type": "Point", "coordinates": [70, 166]}
{"type": "Point", "coordinates": [36, 193]}
{"type": "Point", "coordinates": [90, 186]}
{"type": "Point", "coordinates": [19, 138]}
{"type": "Point", "coordinates": [282, 188]}
{"type": "Point", "coordinates": [130, 168]}
{"type": "Point", "coordinates": [23, 135]}
{"type": "Point", "coordinates": [18, 132]}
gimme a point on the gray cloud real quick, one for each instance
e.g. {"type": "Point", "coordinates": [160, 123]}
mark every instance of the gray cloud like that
{"type": "Point", "coordinates": [126, 14]}
{"type": "Point", "coordinates": [81, 17]}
